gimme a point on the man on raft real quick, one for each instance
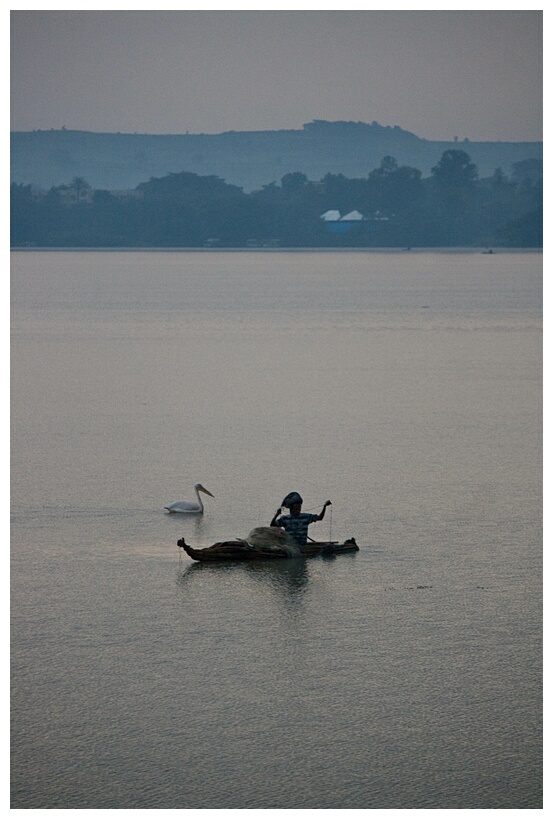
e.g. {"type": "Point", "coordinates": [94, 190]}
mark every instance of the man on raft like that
{"type": "Point", "coordinates": [296, 523]}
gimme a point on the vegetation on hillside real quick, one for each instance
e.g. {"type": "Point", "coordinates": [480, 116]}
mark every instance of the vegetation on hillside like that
{"type": "Point", "coordinates": [451, 207]}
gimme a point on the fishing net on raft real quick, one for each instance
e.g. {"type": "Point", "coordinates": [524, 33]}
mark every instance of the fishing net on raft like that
{"type": "Point", "coordinates": [274, 539]}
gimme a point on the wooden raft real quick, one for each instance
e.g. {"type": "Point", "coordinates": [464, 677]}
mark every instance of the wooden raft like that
{"type": "Point", "coordinates": [240, 550]}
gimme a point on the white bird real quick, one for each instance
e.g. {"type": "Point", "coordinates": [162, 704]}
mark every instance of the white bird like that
{"type": "Point", "coordinates": [190, 507]}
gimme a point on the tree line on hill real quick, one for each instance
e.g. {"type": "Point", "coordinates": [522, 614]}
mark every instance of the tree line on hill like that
{"type": "Point", "coordinates": [394, 205]}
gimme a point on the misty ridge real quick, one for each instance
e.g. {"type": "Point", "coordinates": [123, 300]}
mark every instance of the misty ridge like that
{"type": "Point", "coordinates": [342, 185]}
{"type": "Point", "coordinates": [248, 159]}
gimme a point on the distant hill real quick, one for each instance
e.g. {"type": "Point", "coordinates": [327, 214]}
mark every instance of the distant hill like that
{"type": "Point", "coordinates": [248, 159]}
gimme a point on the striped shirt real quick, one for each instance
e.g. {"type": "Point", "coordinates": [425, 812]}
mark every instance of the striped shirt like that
{"type": "Point", "coordinates": [296, 525]}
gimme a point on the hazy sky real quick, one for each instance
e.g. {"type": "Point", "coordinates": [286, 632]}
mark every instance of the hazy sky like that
{"type": "Point", "coordinates": [439, 74]}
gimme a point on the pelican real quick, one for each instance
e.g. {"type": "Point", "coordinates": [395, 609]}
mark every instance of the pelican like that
{"type": "Point", "coordinates": [190, 507]}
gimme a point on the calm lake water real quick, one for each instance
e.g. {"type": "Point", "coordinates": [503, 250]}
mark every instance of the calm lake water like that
{"type": "Point", "coordinates": [404, 386]}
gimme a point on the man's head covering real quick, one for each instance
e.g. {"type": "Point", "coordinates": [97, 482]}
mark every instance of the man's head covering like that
{"type": "Point", "coordinates": [291, 499]}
